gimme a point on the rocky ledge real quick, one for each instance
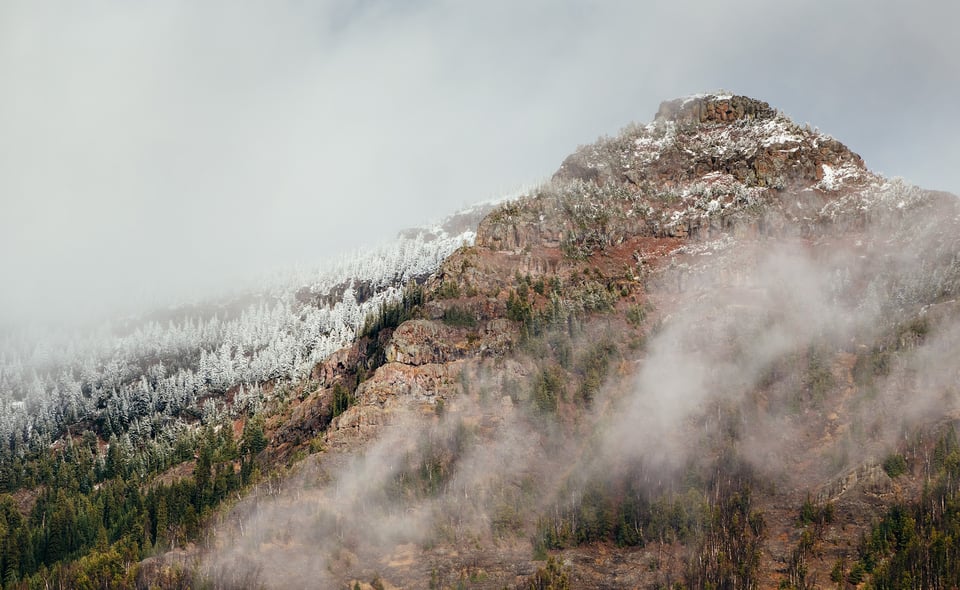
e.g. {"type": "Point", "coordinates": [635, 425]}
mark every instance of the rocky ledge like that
{"type": "Point", "coordinates": [713, 108]}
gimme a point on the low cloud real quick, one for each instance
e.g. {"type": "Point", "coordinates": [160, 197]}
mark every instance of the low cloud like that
{"type": "Point", "coordinates": [151, 153]}
{"type": "Point", "coordinates": [767, 349]}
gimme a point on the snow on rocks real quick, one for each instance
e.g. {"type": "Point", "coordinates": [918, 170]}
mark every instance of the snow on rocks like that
{"type": "Point", "coordinates": [834, 177]}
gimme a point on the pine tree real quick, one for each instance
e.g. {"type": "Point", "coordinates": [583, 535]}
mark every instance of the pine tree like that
{"type": "Point", "coordinates": [162, 519]}
{"type": "Point", "coordinates": [253, 439]}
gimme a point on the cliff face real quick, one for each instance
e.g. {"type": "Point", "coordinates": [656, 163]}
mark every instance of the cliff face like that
{"type": "Point", "coordinates": [711, 108]}
{"type": "Point", "coordinates": [557, 300]}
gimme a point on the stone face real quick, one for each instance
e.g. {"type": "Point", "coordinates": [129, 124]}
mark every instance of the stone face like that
{"type": "Point", "coordinates": [713, 108]}
{"type": "Point", "coordinates": [308, 419]}
{"type": "Point", "coordinates": [419, 383]}
{"type": "Point", "coordinates": [419, 342]}
{"type": "Point", "coordinates": [336, 365]}
{"type": "Point", "coordinates": [506, 232]}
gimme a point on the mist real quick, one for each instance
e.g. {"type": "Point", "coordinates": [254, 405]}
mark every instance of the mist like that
{"type": "Point", "coordinates": [752, 350]}
{"type": "Point", "coordinates": [153, 153]}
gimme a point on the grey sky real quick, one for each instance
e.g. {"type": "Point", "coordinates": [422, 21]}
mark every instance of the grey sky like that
{"type": "Point", "coordinates": [164, 149]}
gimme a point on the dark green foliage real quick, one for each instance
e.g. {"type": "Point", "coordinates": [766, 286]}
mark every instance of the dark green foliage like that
{"type": "Point", "coordinates": [815, 514]}
{"type": "Point", "coordinates": [946, 453]}
{"type": "Point", "coordinates": [819, 379]}
{"type": "Point", "coordinates": [548, 390]}
{"type": "Point", "coordinates": [449, 289]}
{"type": "Point", "coordinates": [506, 520]}
{"type": "Point", "coordinates": [856, 575]}
{"type": "Point", "coordinates": [564, 309]}
{"type": "Point", "coordinates": [518, 308]}
{"type": "Point", "coordinates": [393, 314]}
{"type": "Point", "coordinates": [728, 533]}
{"type": "Point", "coordinates": [552, 576]}
{"type": "Point", "coordinates": [95, 508]}
{"type": "Point", "coordinates": [561, 349]}
{"type": "Point", "coordinates": [88, 524]}
{"type": "Point", "coordinates": [895, 465]}
{"type": "Point", "coordinates": [252, 442]}
{"type": "Point", "coordinates": [837, 574]}
{"type": "Point", "coordinates": [627, 517]}
{"type": "Point", "coordinates": [593, 367]}
{"type": "Point", "coordinates": [116, 463]}
{"type": "Point", "coordinates": [342, 399]}
{"type": "Point", "coordinates": [540, 286]}
{"type": "Point", "coordinates": [729, 550]}
{"type": "Point", "coordinates": [555, 284]}
{"type": "Point", "coordinates": [636, 314]}
{"type": "Point", "coordinates": [917, 545]}
{"type": "Point", "coordinates": [523, 289]}
{"type": "Point", "coordinates": [460, 317]}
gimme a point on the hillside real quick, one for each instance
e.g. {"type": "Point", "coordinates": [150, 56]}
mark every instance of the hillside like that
{"type": "Point", "coordinates": [132, 401]}
{"type": "Point", "coordinates": [713, 351]}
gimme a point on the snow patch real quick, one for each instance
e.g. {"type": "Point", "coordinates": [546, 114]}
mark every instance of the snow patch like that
{"type": "Point", "coordinates": [704, 96]}
{"type": "Point", "coordinates": [836, 177]}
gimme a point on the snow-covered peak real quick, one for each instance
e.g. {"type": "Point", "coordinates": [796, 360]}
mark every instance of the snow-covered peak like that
{"type": "Point", "coordinates": [717, 132]}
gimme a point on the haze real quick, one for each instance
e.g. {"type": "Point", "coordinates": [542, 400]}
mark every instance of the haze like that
{"type": "Point", "coordinates": [151, 152]}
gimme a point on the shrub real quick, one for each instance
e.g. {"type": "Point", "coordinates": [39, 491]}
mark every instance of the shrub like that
{"type": "Point", "coordinates": [391, 315]}
{"type": "Point", "coordinates": [857, 574]}
{"type": "Point", "coordinates": [341, 399]}
{"type": "Point", "coordinates": [456, 315]}
{"type": "Point", "coordinates": [547, 391]}
{"type": "Point", "coordinates": [895, 465]}
{"type": "Point", "coordinates": [449, 289]}
{"type": "Point", "coordinates": [636, 314]}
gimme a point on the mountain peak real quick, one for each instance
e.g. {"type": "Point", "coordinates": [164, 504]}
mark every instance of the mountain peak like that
{"type": "Point", "coordinates": [694, 137]}
{"type": "Point", "coordinates": [713, 107]}
{"type": "Point", "coordinates": [708, 165]}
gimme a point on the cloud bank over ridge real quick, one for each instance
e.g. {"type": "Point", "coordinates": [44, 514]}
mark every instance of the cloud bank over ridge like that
{"type": "Point", "coordinates": [154, 152]}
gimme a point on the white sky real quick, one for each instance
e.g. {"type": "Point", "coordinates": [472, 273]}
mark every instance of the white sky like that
{"type": "Point", "coordinates": [160, 150]}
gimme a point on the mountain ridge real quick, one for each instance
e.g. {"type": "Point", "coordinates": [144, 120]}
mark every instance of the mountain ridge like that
{"type": "Point", "coordinates": [577, 249]}
{"type": "Point", "coordinates": [710, 351]}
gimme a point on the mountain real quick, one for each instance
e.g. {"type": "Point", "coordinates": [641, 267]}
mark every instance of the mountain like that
{"type": "Point", "coordinates": [696, 356]}
{"type": "Point", "coordinates": [713, 351]}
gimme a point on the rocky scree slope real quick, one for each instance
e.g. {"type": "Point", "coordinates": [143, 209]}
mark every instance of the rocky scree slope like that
{"type": "Point", "coordinates": [548, 326]}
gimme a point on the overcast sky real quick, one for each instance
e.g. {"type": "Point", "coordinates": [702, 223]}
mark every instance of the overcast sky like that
{"type": "Point", "coordinates": [165, 149]}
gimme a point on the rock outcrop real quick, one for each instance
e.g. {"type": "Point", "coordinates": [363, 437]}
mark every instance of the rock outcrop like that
{"type": "Point", "coordinates": [713, 108]}
{"type": "Point", "coordinates": [707, 165]}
